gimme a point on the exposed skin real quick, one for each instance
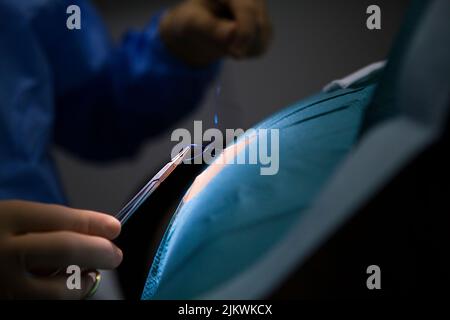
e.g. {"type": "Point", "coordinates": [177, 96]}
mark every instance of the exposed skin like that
{"type": "Point", "coordinates": [202, 31]}
{"type": "Point", "coordinates": [38, 239]}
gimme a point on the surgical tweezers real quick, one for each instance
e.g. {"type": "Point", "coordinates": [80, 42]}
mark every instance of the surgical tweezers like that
{"type": "Point", "coordinates": [130, 208]}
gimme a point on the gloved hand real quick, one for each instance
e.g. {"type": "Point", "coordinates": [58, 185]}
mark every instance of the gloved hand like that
{"type": "Point", "coordinates": [202, 31]}
{"type": "Point", "coordinates": [38, 240]}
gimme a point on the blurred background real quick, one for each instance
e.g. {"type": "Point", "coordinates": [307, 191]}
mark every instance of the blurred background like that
{"type": "Point", "coordinates": [315, 42]}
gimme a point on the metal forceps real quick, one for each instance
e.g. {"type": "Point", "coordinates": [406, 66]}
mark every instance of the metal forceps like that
{"type": "Point", "coordinates": [127, 211]}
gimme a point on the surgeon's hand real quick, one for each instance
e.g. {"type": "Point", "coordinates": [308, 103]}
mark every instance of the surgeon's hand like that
{"type": "Point", "coordinates": [202, 31]}
{"type": "Point", "coordinates": [37, 240]}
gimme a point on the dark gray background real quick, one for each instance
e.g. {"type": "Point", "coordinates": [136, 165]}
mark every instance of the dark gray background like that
{"type": "Point", "coordinates": [315, 41]}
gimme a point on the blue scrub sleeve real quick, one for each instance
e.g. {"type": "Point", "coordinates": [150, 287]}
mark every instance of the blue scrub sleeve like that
{"type": "Point", "coordinates": [119, 96]}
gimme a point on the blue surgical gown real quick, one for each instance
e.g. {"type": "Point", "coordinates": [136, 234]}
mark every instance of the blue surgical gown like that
{"type": "Point", "coordinates": [75, 89]}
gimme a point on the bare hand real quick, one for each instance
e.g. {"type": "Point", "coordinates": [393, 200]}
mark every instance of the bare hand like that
{"type": "Point", "coordinates": [36, 237]}
{"type": "Point", "coordinates": [202, 31]}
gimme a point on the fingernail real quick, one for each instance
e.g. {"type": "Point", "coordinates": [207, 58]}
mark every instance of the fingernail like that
{"type": "Point", "coordinates": [119, 253]}
{"type": "Point", "coordinates": [113, 227]}
{"type": "Point", "coordinates": [119, 256]}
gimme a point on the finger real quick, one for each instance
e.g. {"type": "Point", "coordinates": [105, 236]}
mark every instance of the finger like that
{"type": "Point", "coordinates": [215, 30]}
{"type": "Point", "coordinates": [60, 287]}
{"type": "Point", "coordinates": [37, 217]}
{"type": "Point", "coordinates": [54, 250]}
{"type": "Point", "coordinates": [245, 13]}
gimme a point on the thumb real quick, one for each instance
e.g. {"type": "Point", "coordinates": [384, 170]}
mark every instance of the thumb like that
{"type": "Point", "coordinates": [223, 31]}
{"type": "Point", "coordinates": [217, 30]}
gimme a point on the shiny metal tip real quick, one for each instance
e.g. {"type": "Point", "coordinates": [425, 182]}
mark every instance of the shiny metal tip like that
{"type": "Point", "coordinates": [182, 155]}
